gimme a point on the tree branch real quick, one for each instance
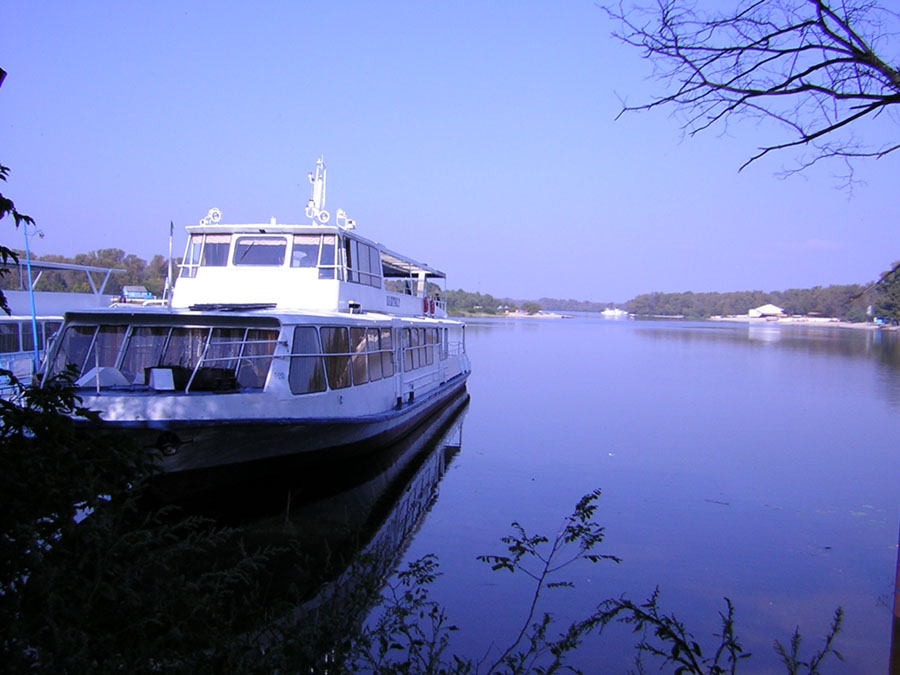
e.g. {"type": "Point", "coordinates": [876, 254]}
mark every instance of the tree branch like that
{"type": "Point", "coordinates": [809, 65]}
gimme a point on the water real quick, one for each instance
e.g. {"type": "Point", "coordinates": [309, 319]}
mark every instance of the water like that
{"type": "Point", "coordinates": [757, 463]}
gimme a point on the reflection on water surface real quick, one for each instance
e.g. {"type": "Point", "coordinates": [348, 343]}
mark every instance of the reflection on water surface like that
{"type": "Point", "coordinates": [757, 465]}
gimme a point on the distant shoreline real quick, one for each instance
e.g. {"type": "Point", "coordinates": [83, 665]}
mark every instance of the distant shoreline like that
{"type": "Point", "coordinates": [761, 321]}
{"type": "Point", "coordinates": [802, 321]}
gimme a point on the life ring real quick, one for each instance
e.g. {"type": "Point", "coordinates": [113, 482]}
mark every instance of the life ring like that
{"type": "Point", "coordinates": [425, 306]}
{"type": "Point", "coordinates": [431, 308]}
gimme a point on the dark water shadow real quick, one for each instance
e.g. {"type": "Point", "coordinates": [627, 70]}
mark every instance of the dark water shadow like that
{"type": "Point", "coordinates": [339, 529]}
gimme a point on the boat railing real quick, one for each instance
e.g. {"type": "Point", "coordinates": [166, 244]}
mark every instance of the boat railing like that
{"type": "Point", "coordinates": [414, 378]}
{"type": "Point", "coordinates": [455, 348]}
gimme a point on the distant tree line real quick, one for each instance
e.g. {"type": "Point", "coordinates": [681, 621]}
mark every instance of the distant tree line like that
{"type": "Point", "coordinates": [573, 305]}
{"type": "Point", "coordinates": [138, 272]}
{"type": "Point", "coordinates": [464, 302]}
{"type": "Point", "coordinates": [846, 302]}
{"type": "Point", "coordinates": [843, 302]}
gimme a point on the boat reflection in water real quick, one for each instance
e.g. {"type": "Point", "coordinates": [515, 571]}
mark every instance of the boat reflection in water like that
{"type": "Point", "coordinates": [343, 528]}
{"type": "Point", "coordinates": [319, 497]}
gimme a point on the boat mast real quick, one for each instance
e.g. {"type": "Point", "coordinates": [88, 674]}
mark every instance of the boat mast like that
{"type": "Point", "coordinates": [315, 207]}
{"type": "Point", "coordinates": [168, 290]}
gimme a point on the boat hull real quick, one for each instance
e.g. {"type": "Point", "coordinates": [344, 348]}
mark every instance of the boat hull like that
{"type": "Point", "coordinates": [199, 457]}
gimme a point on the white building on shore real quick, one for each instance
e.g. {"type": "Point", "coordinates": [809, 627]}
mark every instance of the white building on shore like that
{"type": "Point", "coordinates": [765, 311]}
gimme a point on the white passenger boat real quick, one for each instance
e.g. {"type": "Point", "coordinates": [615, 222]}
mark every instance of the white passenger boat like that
{"type": "Point", "coordinates": [280, 340]}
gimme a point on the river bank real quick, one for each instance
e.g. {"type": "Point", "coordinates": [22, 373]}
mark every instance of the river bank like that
{"type": "Point", "coordinates": [803, 321]}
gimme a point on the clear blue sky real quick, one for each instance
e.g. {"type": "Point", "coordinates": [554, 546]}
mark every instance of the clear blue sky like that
{"type": "Point", "coordinates": [478, 137]}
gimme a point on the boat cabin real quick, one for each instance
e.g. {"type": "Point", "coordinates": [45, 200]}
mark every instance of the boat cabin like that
{"type": "Point", "coordinates": [302, 267]}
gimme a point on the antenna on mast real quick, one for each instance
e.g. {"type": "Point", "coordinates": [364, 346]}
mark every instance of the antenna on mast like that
{"type": "Point", "coordinates": [315, 207]}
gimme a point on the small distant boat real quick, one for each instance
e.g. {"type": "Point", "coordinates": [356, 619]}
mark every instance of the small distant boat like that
{"type": "Point", "coordinates": [281, 340]}
{"type": "Point", "coordinates": [613, 313]}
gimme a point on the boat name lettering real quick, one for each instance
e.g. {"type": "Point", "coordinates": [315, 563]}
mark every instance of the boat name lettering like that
{"type": "Point", "coordinates": [393, 302]}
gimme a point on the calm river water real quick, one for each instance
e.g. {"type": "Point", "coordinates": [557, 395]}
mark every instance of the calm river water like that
{"type": "Point", "coordinates": [757, 463]}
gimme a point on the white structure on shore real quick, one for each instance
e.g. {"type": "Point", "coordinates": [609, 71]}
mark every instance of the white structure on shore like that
{"type": "Point", "coordinates": [766, 311]}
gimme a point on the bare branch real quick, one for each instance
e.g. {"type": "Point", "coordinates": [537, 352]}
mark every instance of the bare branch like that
{"type": "Point", "coordinates": [811, 66]}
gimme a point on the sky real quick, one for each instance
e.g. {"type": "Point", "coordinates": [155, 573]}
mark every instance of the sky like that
{"type": "Point", "coordinates": [478, 137]}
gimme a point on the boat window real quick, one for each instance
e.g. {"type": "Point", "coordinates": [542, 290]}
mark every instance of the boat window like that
{"type": "Point", "coordinates": [351, 250]}
{"type": "Point", "coordinates": [373, 278]}
{"type": "Point", "coordinates": [106, 347]}
{"type": "Point", "coordinates": [374, 349]}
{"type": "Point", "coordinates": [224, 348]}
{"type": "Point", "coordinates": [444, 343]}
{"type": "Point", "coordinates": [362, 263]}
{"type": "Point", "coordinates": [256, 358]}
{"type": "Point", "coordinates": [358, 347]}
{"type": "Point", "coordinates": [307, 374]}
{"type": "Point", "coordinates": [326, 257]}
{"type": "Point", "coordinates": [185, 347]}
{"type": "Point", "coordinates": [414, 360]}
{"type": "Point", "coordinates": [259, 251]}
{"type": "Point", "coordinates": [9, 337]}
{"type": "Point", "coordinates": [51, 328]}
{"type": "Point", "coordinates": [375, 264]}
{"type": "Point", "coordinates": [192, 257]}
{"type": "Point", "coordinates": [72, 349]}
{"type": "Point", "coordinates": [423, 348]}
{"type": "Point", "coordinates": [336, 341]}
{"type": "Point", "coordinates": [215, 250]}
{"type": "Point", "coordinates": [143, 351]}
{"type": "Point", "coordinates": [305, 252]}
{"type": "Point", "coordinates": [430, 340]}
{"type": "Point", "coordinates": [28, 340]}
{"type": "Point", "coordinates": [387, 362]}
{"type": "Point", "coordinates": [404, 350]}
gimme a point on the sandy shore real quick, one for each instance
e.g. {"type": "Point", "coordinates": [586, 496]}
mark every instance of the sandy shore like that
{"type": "Point", "coordinates": [803, 321]}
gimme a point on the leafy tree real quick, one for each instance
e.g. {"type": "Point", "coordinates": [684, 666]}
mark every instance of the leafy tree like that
{"type": "Point", "coordinates": [818, 68]}
{"type": "Point", "coordinates": [531, 307]}
{"type": "Point", "coordinates": [570, 305]}
{"type": "Point", "coordinates": [137, 272]}
{"type": "Point", "coordinates": [887, 295]}
{"type": "Point", "coordinates": [837, 301]}
{"type": "Point", "coordinates": [8, 208]}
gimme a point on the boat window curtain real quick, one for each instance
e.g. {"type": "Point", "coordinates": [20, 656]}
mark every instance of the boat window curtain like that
{"type": "Point", "coordinates": [373, 336]}
{"type": "Point", "coordinates": [387, 360]}
{"type": "Point", "coordinates": [215, 250]}
{"type": "Point", "coordinates": [307, 373]}
{"type": "Point", "coordinates": [144, 348]}
{"type": "Point", "coordinates": [336, 341]}
{"type": "Point", "coordinates": [107, 345]}
{"type": "Point", "coordinates": [256, 358]}
{"type": "Point", "coordinates": [359, 358]}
